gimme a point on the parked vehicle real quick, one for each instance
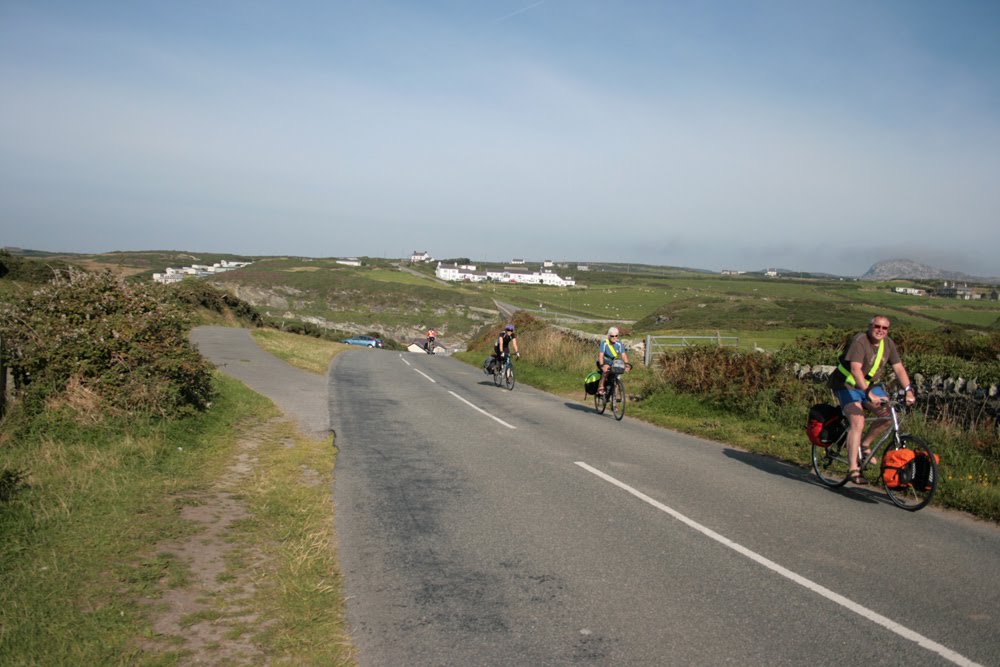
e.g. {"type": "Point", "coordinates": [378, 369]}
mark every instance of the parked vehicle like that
{"type": "Point", "coordinates": [363, 341]}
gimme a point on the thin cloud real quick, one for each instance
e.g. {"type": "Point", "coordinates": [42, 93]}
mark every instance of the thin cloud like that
{"type": "Point", "coordinates": [519, 11]}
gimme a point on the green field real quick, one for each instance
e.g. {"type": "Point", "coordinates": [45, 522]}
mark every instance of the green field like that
{"type": "Point", "coordinates": [762, 312]}
{"type": "Point", "coordinates": [386, 295]}
{"type": "Point", "coordinates": [377, 298]}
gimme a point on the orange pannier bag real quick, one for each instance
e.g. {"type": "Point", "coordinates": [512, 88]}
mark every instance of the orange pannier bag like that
{"type": "Point", "coordinates": [897, 470]}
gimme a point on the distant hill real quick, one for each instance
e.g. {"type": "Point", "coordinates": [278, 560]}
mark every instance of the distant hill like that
{"type": "Point", "coordinates": [906, 269]}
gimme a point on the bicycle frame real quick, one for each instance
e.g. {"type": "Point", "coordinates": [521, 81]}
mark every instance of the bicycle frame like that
{"type": "Point", "coordinates": [504, 373]}
{"type": "Point", "coordinates": [895, 432]}
{"type": "Point", "coordinates": [617, 404]}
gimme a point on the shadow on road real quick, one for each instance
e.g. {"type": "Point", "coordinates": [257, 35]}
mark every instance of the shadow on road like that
{"type": "Point", "coordinates": [581, 407]}
{"type": "Point", "coordinates": [791, 471]}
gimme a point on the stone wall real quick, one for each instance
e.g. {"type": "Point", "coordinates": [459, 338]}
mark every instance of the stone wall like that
{"type": "Point", "coordinates": [967, 402]}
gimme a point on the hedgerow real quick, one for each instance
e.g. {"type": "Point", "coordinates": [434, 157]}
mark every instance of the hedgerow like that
{"type": "Point", "coordinates": [200, 294]}
{"type": "Point", "coordinates": [95, 339]}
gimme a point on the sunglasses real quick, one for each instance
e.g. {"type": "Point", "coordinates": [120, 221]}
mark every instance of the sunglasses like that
{"type": "Point", "coordinates": [879, 327]}
{"type": "Point", "coordinates": [612, 336]}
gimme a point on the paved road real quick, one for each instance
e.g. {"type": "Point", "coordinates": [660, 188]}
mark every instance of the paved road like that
{"type": "Point", "coordinates": [299, 394]}
{"type": "Point", "coordinates": [478, 526]}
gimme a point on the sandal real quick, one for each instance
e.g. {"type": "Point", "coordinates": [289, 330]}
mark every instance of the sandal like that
{"type": "Point", "coordinates": [865, 453]}
{"type": "Point", "coordinates": [857, 478]}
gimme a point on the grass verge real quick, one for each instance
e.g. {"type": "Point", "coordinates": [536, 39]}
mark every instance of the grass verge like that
{"type": "Point", "coordinates": [84, 572]}
{"type": "Point", "coordinates": [309, 354]}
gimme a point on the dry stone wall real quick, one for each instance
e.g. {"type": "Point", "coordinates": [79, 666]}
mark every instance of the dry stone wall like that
{"type": "Point", "coordinates": [965, 401]}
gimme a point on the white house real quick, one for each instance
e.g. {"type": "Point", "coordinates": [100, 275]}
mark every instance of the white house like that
{"type": "Point", "coordinates": [463, 273]}
{"type": "Point", "coordinates": [173, 275]}
{"type": "Point", "coordinates": [421, 256]}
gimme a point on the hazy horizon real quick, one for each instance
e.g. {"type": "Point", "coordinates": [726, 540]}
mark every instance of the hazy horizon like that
{"type": "Point", "coordinates": [529, 260]}
{"type": "Point", "coordinates": [820, 137]}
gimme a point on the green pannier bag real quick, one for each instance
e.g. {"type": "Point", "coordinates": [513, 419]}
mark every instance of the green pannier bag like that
{"type": "Point", "coordinates": [590, 384]}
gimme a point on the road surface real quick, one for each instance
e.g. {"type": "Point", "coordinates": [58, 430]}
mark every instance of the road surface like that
{"type": "Point", "coordinates": [479, 526]}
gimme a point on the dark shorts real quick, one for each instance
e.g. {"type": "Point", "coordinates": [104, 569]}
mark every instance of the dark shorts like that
{"type": "Point", "coordinates": [852, 395]}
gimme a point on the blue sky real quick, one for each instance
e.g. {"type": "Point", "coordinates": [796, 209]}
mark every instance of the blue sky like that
{"type": "Point", "coordinates": [808, 135]}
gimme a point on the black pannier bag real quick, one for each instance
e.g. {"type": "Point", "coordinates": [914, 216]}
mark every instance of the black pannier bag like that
{"type": "Point", "coordinates": [825, 424]}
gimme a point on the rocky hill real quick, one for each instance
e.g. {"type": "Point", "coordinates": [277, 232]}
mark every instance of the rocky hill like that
{"type": "Point", "coordinates": [906, 269]}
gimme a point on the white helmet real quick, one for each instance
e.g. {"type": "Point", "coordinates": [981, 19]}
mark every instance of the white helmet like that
{"type": "Point", "coordinates": [613, 331]}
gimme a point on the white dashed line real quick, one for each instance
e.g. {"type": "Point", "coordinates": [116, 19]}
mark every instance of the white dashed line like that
{"type": "Point", "coordinates": [426, 376]}
{"type": "Point", "coordinates": [475, 407]}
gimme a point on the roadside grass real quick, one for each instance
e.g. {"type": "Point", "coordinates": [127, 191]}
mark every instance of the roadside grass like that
{"type": "Point", "coordinates": [78, 553]}
{"type": "Point", "coordinates": [98, 495]}
{"type": "Point", "coordinates": [309, 354]}
{"type": "Point", "coordinates": [297, 591]}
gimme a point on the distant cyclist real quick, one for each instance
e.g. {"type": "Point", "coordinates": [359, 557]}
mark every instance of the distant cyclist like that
{"type": "Point", "coordinates": [860, 368]}
{"type": "Point", "coordinates": [505, 342]}
{"type": "Point", "coordinates": [611, 349]}
{"type": "Point", "coordinates": [429, 342]}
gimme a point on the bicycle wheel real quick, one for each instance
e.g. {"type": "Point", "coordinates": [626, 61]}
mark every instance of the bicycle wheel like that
{"type": "Point", "coordinates": [509, 377]}
{"type": "Point", "coordinates": [831, 464]}
{"type": "Point", "coordinates": [600, 402]}
{"type": "Point", "coordinates": [497, 377]}
{"type": "Point", "coordinates": [618, 399]}
{"type": "Point", "coordinates": [910, 497]}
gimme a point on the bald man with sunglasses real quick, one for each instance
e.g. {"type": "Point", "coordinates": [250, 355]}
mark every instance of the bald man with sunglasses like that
{"type": "Point", "coordinates": [861, 366]}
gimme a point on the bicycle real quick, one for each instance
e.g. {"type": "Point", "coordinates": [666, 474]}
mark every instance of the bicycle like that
{"type": "Point", "coordinates": [833, 468]}
{"type": "Point", "coordinates": [614, 391]}
{"type": "Point", "coordinates": [503, 373]}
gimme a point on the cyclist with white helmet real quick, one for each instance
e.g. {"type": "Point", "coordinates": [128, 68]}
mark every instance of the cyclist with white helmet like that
{"type": "Point", "coordinates": [611, 349]}
{"type": "Point", "coordinates": [506, 341]}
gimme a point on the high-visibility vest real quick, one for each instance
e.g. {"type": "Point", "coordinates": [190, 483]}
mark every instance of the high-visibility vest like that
{"type": "Point", "coordinates": [849, 377]}
{"type": "Point", "coordinates": [614, 352]}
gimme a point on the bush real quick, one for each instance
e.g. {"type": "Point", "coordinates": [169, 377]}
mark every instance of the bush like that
{"type": "Point", "coordinates": [28, 270]}
{"type": "Point", "coordinates": [198, 293]}
{"type": "Point", "coordinates": [94, 341]}
{"type": "Point", "coordinates": [748, 383]}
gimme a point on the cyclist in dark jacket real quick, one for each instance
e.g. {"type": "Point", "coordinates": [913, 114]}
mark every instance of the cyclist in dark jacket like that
{"type": "Point", "coordinates": [506, 341]}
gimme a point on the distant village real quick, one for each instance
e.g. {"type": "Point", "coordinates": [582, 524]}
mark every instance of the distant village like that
{"type": "Point", "coordinates": [515, 273]}
{"type": "Point", "coordinates": [172, 275]}
{"type": "Point", "coordinates": [953, 291]}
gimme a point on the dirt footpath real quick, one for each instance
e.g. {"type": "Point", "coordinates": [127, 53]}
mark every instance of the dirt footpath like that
{"type": "Point", "coordinates": [205, 619]}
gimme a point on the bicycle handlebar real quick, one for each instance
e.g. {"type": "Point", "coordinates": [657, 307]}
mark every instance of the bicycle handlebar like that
{"type": "Point", "coordinates": [896, 399]}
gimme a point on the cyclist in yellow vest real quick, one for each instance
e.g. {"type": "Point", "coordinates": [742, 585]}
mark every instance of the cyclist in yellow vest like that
{"type": "Point", "coordinates": [861, 365]}
{"type": "Point", "coordinates": [610, 348]}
